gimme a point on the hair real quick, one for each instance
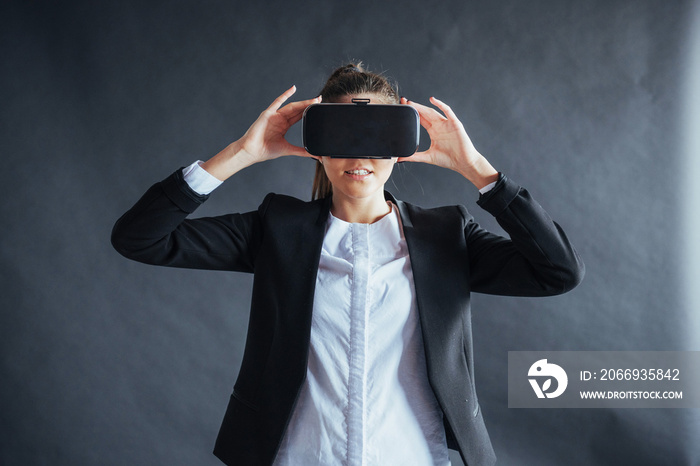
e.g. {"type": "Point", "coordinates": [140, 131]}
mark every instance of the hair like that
{"type": "Point", "coordinates": [351, 79]}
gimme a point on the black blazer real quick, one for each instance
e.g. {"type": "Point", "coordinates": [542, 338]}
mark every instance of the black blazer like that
{"type": "Point", "coordinates": [280, 244]}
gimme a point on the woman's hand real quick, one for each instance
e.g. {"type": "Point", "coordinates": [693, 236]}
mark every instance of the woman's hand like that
{"type": "Point", "coordinates": [264, 140]}
{"type": "Point", "coordinates": [450, 146]}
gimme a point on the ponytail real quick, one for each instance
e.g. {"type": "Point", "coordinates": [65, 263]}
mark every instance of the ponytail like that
{"type": "Point", "coordinates": [322, 187]}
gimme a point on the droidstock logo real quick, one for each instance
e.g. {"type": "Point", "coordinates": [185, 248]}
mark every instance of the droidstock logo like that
{"type": "Point", "coordinates": [544, 371]}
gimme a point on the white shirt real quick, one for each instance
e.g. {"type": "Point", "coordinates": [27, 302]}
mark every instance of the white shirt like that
{"type": "Point", "coordinates": [366, 400]}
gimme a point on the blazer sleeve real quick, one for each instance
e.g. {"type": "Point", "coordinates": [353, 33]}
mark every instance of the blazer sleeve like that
{"type": "Point", "coordinates": [156, 231]}
{"type": "Point", "coordinates": [537, 260]}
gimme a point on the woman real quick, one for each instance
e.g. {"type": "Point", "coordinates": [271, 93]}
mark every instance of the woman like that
{"type": "Point", "coordinates": [359, 347]}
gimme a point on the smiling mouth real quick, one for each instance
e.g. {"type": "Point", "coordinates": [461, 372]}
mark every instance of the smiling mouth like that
{"type": "Point", "coordinates": [359, 171]}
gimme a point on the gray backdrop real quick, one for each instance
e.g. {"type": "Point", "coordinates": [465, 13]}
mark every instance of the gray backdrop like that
{"type": "Point", "coordinates": [589, 104]}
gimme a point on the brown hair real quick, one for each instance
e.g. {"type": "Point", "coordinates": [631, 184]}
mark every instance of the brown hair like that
{"type": "Point", "coordinates": [351, 79]}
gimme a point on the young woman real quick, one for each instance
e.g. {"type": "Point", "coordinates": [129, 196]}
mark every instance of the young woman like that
{"type": "Point", "coordinates": [359, 347]}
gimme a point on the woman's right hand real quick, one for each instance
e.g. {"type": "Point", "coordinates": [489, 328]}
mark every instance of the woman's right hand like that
{"type": "Point", "coordinates": [264, 140]}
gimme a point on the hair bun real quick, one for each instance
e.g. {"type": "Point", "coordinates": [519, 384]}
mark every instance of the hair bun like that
{"type": "Point", "coordinates": [347, 69]}
{"type": "Point", "coordinates": [352, 68]}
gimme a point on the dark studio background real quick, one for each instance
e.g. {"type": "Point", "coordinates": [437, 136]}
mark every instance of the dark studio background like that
{"type": "Point", "coordinates": [591, 105]}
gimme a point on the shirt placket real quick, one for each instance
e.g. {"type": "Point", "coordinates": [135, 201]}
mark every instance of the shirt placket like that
{"type": "Point", "coordinates": [359, 310]}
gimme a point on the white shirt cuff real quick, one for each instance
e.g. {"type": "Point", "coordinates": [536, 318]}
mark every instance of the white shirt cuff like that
{"type": "Point", "coordinates": [199, 180]}
{"type": "Point", "coordinates": [488, 187]}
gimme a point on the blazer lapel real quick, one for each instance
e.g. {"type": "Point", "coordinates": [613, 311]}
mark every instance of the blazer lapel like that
{"type": "Point", "coordinates": [439, 276]}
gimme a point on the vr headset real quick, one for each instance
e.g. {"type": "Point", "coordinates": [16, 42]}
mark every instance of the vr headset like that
{"type": "Point", "coordinates": [361, 131]}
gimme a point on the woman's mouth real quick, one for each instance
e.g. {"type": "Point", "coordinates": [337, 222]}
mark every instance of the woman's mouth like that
{"type": "Point", "coordinates": [358, 173]}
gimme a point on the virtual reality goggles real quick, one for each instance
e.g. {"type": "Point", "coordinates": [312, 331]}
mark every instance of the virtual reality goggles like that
{"type": "Point", "coordinates": [361, 131]}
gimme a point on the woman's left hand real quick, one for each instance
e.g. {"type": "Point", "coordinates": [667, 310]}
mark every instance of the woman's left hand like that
{"type": "Point", "coordinates": [450, 146]}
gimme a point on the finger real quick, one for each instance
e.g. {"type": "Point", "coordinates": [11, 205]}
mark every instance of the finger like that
{"type": "Point", "coordinates": [421, 109]}
{"type": "Point", "coordinates": [277, 103]}
{"type": "Point", "coordinates": [428, 111]}
{"type": "Point", "coordinates": [300, 152]}
{"type": "Point", "coordinates": [292, 115]}
{"type": "Point", "coordinates": [425, 120]}
{"type": "Point", "coordinates": [428, 115]}
{"type": "Point", "coordinates": [423, 156]}
{"type": "Point", "coordinates": [294, 111]}
{"type": "Point", "coordinates": [446, 109]}
{"type": "Point", "coordinates": [301, 104]}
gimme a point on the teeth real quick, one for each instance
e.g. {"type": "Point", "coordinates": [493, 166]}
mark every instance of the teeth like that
{"type": "Point", "coordinates": [359, 172]}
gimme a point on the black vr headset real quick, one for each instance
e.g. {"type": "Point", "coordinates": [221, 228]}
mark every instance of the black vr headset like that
{"type": "Point", "coordinates": [361, 131]}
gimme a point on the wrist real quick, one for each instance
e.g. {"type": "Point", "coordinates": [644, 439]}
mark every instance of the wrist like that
{"type": "Point", "coordinates": [480, 173]}
{"type": "Point", "coordinates": [232, 159]}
